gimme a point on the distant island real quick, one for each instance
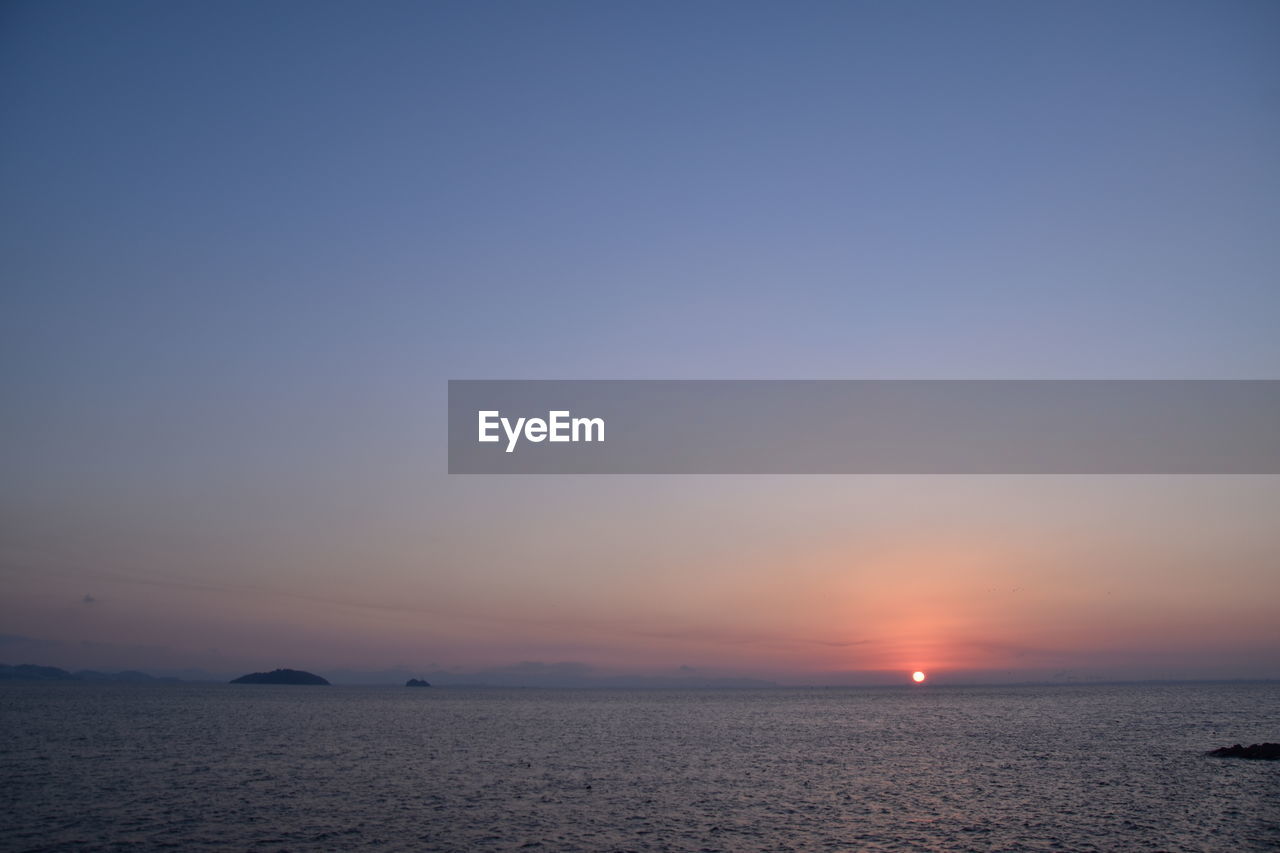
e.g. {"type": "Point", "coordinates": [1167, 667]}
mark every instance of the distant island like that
{"type": "Point", "coordinates": [417, 682]}
{"type": "Point", "coordinates": [280, 676]}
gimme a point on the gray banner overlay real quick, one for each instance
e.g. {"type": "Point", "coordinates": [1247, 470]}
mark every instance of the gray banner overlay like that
{"type": "Point", "coordinates": [866, 427]}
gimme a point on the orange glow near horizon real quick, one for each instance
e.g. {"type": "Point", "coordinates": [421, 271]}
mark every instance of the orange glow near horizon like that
{"type": "Point", "coordinates": [830, 583]}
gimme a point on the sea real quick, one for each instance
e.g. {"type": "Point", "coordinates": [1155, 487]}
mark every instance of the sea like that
{"type": "Point", "coordinates": [933, 768]}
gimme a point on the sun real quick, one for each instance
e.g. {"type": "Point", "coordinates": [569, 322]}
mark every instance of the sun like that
{"type": "Point", "coordinates": [917, 677]}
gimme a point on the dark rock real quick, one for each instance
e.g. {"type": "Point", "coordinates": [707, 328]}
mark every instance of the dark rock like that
{"type": "Point", "coordinates": [1259, 751]}
{"type": "Point", "coordinates": [280, 676]}
{"type": "Point", "coordinates": [417, 682]}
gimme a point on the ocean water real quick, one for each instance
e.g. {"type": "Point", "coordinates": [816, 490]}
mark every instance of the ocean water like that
{"type": "Point", "coordinates": [305, 768]}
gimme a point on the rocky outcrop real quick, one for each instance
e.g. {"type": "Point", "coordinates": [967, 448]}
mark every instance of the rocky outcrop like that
{"type": "Point", "coordinates": [1258, 751]}
{"type": "Point", "coordinates": [417, 682]}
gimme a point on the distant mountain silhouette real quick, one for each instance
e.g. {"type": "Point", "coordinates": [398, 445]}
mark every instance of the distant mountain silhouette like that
{"type": "Point", "coordinates": [417, 682]}
{"type": "Point", "coordinates": [280, 676]}
{"type": "Point", "coordinates": [128, 676]}
{"type": "Point", "coordinates": [31, 672]}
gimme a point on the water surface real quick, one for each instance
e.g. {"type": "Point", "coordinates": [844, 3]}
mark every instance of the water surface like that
{"type": "Point", "coordinates": [275, 767]}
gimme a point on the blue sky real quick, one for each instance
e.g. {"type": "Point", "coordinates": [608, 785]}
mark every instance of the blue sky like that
{"type": "Point", "coordinates": [244, 245]}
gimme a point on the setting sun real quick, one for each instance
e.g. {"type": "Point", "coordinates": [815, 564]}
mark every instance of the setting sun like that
{"type": "Point", "coordinates": [917, 677]}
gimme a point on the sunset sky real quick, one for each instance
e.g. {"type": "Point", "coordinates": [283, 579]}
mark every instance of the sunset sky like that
{"type": "Point", "coordinates": [243, 247]}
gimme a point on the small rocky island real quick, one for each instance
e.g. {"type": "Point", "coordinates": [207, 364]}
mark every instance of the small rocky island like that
{"type": "Point", "coordinates": [417, 682]}
{"type": "Point", "coordinates": [280, 676]}
{"type": "Point", "coordinates": [1258, 752]}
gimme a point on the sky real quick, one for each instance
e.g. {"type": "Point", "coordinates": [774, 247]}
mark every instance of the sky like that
{"type": "Point", "coordinates": [243, 246]}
